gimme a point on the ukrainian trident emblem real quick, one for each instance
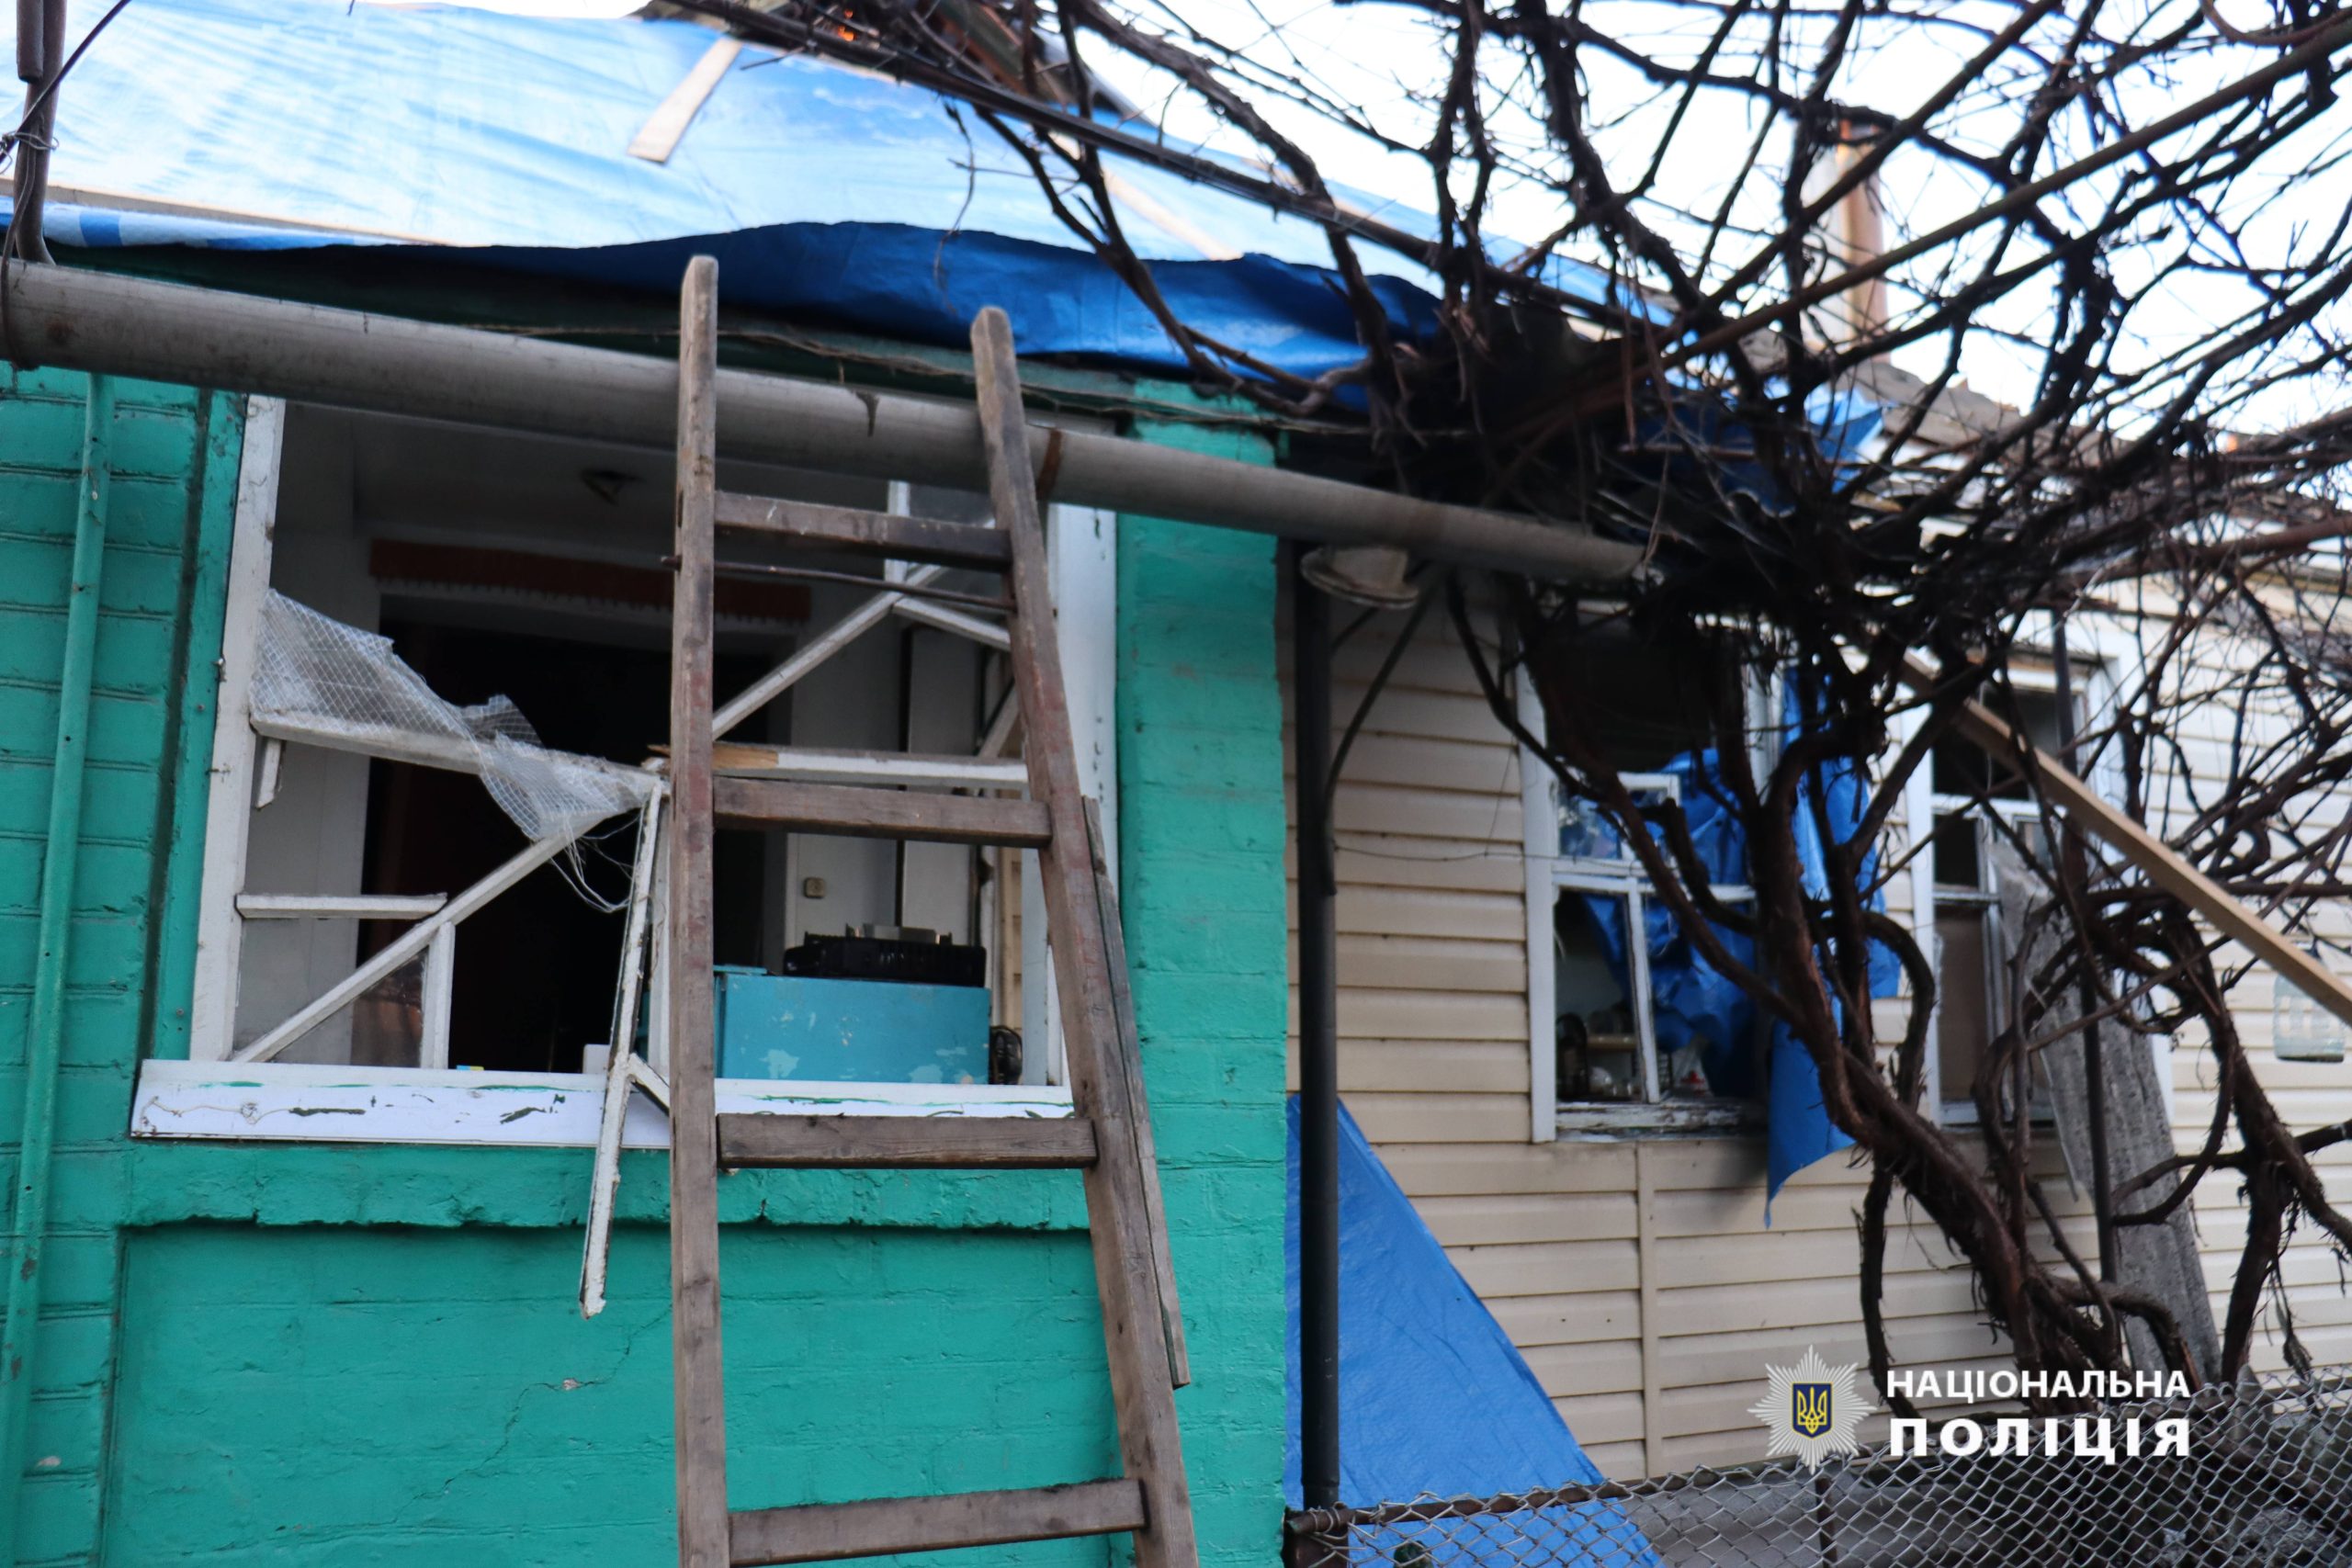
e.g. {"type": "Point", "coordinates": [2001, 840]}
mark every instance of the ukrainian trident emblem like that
{"type": "Point", "coordinates": [1813, 1411]}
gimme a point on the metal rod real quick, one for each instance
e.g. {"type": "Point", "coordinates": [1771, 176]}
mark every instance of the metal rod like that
{"type": "Point", "coordinates": [45, 1032]}
{"type": "Point", "coordinates": [45, 53]}
{"type": "Point", "coordinates": [351, 359]}
{"type": "Point", "coordinates": [1319, 1051]}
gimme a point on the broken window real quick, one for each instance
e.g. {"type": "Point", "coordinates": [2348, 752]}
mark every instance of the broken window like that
{"type": "Point", "coordinates": [447, 698]}
{"type": "Point", "coordinates": [1626, 1013]}
{"type": "Point", "coordinates": [1979, 800]}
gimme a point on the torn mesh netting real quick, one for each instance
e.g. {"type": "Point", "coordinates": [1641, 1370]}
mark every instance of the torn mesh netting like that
{"type": "Point", "coordinates": [316, 673]}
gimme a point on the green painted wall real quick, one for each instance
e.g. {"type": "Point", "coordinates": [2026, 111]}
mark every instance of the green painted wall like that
{"type": "Point", "coordinates": [347, 1355]}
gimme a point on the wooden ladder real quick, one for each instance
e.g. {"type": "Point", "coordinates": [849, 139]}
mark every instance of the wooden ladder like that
{"type": "Point", "coordinates": [1108, 1136]}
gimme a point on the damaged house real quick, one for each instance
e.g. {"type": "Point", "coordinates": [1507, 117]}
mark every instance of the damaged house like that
{"type": "Point", "coordinates": [348, 927]}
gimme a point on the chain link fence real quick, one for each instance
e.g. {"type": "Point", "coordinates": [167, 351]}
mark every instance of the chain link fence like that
{"type": "Point", "coordinates": [2267, 1483]}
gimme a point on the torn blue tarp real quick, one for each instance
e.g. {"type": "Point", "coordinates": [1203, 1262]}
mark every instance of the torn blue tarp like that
{"type": "Point", "coordinates": [1434, 1398]}
{"type": "Point", "coordinates": [828, 192]}
{"type": "Point", "coordinates": [1800, 1129]}
{"type": "Point", "coordinates": [1696, 1009]}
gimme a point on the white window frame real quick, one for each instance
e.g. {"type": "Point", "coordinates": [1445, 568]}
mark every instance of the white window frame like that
{"type": "Point", "coordinates": [1549, 873]}
{"type": "Point", "coordinates": [2096, 648]}
{"type": "Point", "coordinates": [210, 1096]}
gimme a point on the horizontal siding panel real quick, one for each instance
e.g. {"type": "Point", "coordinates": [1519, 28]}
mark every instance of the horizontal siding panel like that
{"type": "Point", "coordinates": [1602, 1418]}
{"type": "Point", "coordinates": [1563, 1167]}
{"type": "Point", "coordinates": [1578, 1319]}
{"type": "Point", "coordinates": [1439, 1118]}
{"type": "Point", "coordinates": [1396, 911]}
{"type": "Point", "coordinates": [1568, 1371]}
{"type": "Point", "coordinates": [1539, 1268]}
{"type": "Point", "coordinates": [1522, 1217]}
{"type": "Point", "coordinates": [1434, 964]}
{"type": "Point", "coordinates": [1466, 867]}
{"type": "Point", "coordinates": [1452, 1066]}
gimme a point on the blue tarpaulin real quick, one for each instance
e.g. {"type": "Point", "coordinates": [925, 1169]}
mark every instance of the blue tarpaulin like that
{"type": "Point", "coordinates": [826, 191]}
{"type": "Point", "coordinates": [1434, 1398]}
{"type": "Point", "coordinates": [1693, 1006]}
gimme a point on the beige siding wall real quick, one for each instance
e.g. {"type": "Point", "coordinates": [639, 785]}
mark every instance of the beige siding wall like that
{"type": "Point", "coordinates": [1637, 1275]}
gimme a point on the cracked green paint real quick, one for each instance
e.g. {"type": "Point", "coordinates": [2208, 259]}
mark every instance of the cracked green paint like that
{"type": "Point", "coordinates": [332, 1354]}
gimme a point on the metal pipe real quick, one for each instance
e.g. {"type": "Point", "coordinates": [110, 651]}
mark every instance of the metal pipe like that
{"type": "Point", "coordinates": [45, 54]}
{"type": "Point", "coordinates": [1318, 1050]}
{"type": "Point", "coordinates": [45, 1036]}
{"type": "Point", "coordinates": [130, 326]}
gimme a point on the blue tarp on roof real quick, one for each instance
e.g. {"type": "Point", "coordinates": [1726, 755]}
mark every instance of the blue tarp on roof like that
{"type": "Point", "coordinates": [290, 124]}
{"type": "Point", "coordinates": [1434, 1398]}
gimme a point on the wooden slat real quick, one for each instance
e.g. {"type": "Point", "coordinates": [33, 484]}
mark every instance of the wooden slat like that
{"type": "Point", "coordinates": [699, 1381]}
{"type": "Point", "coordinates": [861, 813]}
{"type": "Point", "coordinates": [828, 1531]}
{"type": "Point", "coordinates": [1135, 1341]}
{"type": "Point", "coordinates": [857, 533]}
{"type": "Point", "coordinates": [2158, 861]}
{"type": "Point", "coordinates": [905, 1143]}
{"type": "Point", "coordinates": [1130, 1059]}
{"type": "Point", "coordinates": [659, 135]}
{"type": "Point", "coordinates": [913, 768]}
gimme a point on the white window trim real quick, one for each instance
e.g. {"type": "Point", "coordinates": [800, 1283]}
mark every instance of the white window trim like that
{"type": "Point", "coordinates": [1548, 874]}
{"type": "Point", "coordinates": [211, 1097]}
{"type": "Point", "coordinates": [2097, 649]}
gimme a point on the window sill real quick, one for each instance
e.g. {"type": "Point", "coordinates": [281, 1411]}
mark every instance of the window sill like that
{"type": "Point", "coordinates": [1688, 1118]}
{"type": "Point", "coordinates": [304, 1103]}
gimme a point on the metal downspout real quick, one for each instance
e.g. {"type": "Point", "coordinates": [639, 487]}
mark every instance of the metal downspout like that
{"type": "Point", "coordinates": [1319, 1065]}
{"type": "Point", "coordinates": [46, 1036]}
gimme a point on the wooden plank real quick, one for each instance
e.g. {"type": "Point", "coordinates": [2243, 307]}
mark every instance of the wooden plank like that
{"type": "Point", "coordinates": [698, 1384]}
{"type": "Point", "coordinates": [913, 770]}
{"type": "Point", "coordinates": [905, 1143]}
{"type": "Point", "coordinates": [2158, 861]}
{"type": "Point", "coordinates": [860, 813]}
{"type": "Point", "coordinates": [855, 532]}
{"type": "Point", "coordinates": [825, 1532]}
{"type": "Point", "coordinates": [1130, 1062]}
{"type": "Point", "coordinates": [666, 126]}
{"type": "Point", "coordinates": [1135, 1340]}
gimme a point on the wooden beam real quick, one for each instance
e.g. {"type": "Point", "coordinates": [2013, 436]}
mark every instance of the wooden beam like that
{"type": "Point", "coordinates": [769, 1142]}
{"type": "Point", "coordinates": [854, 532]}
{"type": "Point", "coordinates": [1136, 1346]}
{"type": "Point", "coordinates": [666, 126]}
{"type": "Point", "coordinates": [1138, 1126]}
{"type": "Point", "coordinates": [826, 1532]}
{"type": "Point", "coordinates": [881, 813]}
{"type": "Point", "coordinates": [2158, 861]}
{"type": "Point", "coordinates": [867, 767]}
{"type": "Point", "coordinates": [699, 1379]}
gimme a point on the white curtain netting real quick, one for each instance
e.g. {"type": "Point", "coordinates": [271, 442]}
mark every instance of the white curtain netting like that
{"type": "Point", "coordinates": [316, 672]}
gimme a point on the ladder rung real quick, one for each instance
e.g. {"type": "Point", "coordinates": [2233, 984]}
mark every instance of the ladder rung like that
{"type": "Point", "coordinates": [905, 1143]}
{"type": "Point", "coordinates": [911, 768]}
{"type": "Point", "coordinates": [826, 1531]}
{"type": "Point", "coordinates": [880, 813]}
{"type": "Point", "coordinates": [854, 532]}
